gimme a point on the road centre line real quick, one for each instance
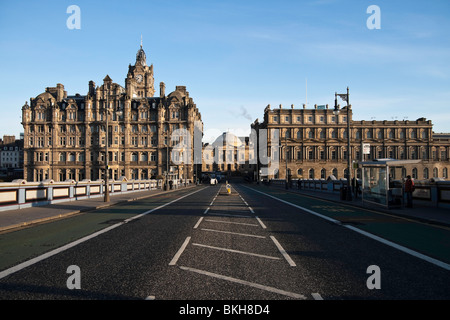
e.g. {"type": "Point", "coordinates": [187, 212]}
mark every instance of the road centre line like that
{"type": "Point", "coordinates": [283, 252]}
{"type": "Point", "coordinates": [236, 251]}
{"type": "Point", "coordinates": [260, 222]}
{"type": "Point", "coordinates": [198, 222]}
{"type": "Point", "coordinates": [179, 252]}
{"type": "Point", "coordinates": [247, 283]}
{"type": "Point", "coordinates": [367, 234]}
{"type": "Point", "coordinates": [230, 222]}
{"type": "Point", "coordinates": [46, 255]}
{"type": "Point", "coordinates": [235, 233]}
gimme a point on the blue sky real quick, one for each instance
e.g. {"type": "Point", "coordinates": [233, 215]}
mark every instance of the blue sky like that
{"type": "Point", "coordinates": [236, 57]}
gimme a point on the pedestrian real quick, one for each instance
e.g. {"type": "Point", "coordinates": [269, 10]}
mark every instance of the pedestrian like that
{"type": "Point", "coordinates": [409, 189]}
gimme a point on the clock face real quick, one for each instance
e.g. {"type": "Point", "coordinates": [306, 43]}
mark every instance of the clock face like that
{"type": "Point", "coordinates": [139, 78]}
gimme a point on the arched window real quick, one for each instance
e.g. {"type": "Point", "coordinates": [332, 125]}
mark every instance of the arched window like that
{"type": "Point", "coordinates": [445, 173]}
{"type": "Point", "coordinates": [287, 134]}
{"type": "Point", "coordinates": [425, 173]}
{"type": "Point", "coordinates": [134, 156]}
{"type": "Point", "coordinates": [358, 135]}
{"type": "Point", "coordinates": [323, 173]}
{"type": "Point", "coordinates": [335, 173]}
{"type": "Point", "coordinates": [413, 134]}
{"type": "Point", "coordinates": [435, 173]}
{"type": "Point", "coordinates": [299, 134]}
{"type": "Point", "coordinates": [311, 173]}
{"type": "Point", "coordinates": [333, 133]}
{"type": "Point", "coordinates": [300, 173]}
{"type": "Point", "coordinates": [402, 134]}
{"type": "Point", "coordinates": [380, 134]}
{"type": "Point", "coordinates": [424, 134]}
{"type": "Point", "coordinates": [391, 134]}
{"type": "Point", "coordinates": [322, 134]}
{"type": "Point", "coordinates": [311, 134]}
{"type": "Point", "coordinates": [414, 173]}
{"type": "Point", "coordinates": [369, 134]}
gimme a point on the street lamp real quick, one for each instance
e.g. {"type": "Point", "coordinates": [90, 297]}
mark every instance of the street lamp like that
{"type": "Point", "coordinates": [336, 112]}
{"type": "Point", "coordinates": [286, 158]}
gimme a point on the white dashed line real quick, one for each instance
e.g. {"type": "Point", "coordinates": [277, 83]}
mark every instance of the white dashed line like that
{"type": "Point", "coordinates": [180, 251]}
{"type": "Point", "coordinates": [283, 252]}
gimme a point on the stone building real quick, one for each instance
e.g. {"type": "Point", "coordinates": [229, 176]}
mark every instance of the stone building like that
{"type": "Point", "coordinates": [313, 143]}
{"type": "Point", "coordinates": [65, 135]}
{"type": "Point", "coordinates": [231, 155]}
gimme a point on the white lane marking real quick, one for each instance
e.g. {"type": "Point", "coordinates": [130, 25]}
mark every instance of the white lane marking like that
{"type": "Point", "coordinates": [150, 298]}
{"type": "Point", "coordinates": [229, 215]}
{"type": "Point", "coordinates": [30, 262]}
{"type": "Point", "coordinates": [236, 251]}
{"type": "Point", "coordinates": [416, 254]}
{"type": "Point", "coordinates": [179, 252]}
{"type": "Point", "coordinates": [207, 209]}
{"type": "Point", "coordinates": [316, 296]}
{"type": "Point", "coordinates": [401, 248]}
{"type": "Point", "coordinates": [247, 283]}
{"type": "Point", "coordinates": [251, 210]}
{"type": "Point", "coordinates": [261, 223]}
{"type": "Point", "coordinates": [235, 233]}
{"type": "Point", "coordinates": [198, 222]}
{"type": "Point", "coordinates": [230, 222]}
{"type": "Point", "coordinates": [283, 252]}
{"type": "Point", "coordinates": [296, 206]}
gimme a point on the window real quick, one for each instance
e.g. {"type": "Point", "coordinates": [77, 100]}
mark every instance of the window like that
{"type": "Point", "coordinates": [369, 134]}
{"type": "Point", "coordinates": [323, 173]}
{"type": "Point", "coordinates": [275, 119]}
{"type": "Point", "coordinates": [134, 156]}
{"type": "Point", "coordinates": [333, 134]}
{"type": "Point", "coordinates": [445, 173]}
{"type": "Point", "coordinates": [414, 173]}
{"type": "Point", "coordinates": [322, 134]}
{"type": "Point", "coordinates": [152, 156]}
{"type": "Point", "coordinates": [311, 173]}
{"type": "Point", "coordinates": [391, 134]}
{"type": "Point", "coordinates": [287, 135]}
{"type": "Point", "coordinates": [435, 173]}
{"type": "Point", "coordinates": [335, 173]}
{"type": "Point", "coordinates": [299, 134]}
{"type": "Point", "coordinates": [425, 173]}
{"type": "Point", "coordinates": [300, 173]}
{"type": "Point", "coordinates": [311, 134]}
{"type": "Point", "coordinates": [286, 118]}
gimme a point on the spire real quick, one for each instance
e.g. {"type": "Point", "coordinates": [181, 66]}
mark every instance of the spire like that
{"type": "Point", "coordinates": [141, 58]}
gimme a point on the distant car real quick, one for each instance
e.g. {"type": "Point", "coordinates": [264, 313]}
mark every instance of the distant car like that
{"type": "Point", "coordinates": [213, 181]}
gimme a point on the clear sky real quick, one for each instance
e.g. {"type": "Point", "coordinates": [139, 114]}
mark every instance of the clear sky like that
{"type": "Point", "coordinates": [236, 57]}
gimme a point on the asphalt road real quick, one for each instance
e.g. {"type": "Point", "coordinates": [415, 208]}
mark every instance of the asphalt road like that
{"type": "Point", "coordinates": [206, 244]}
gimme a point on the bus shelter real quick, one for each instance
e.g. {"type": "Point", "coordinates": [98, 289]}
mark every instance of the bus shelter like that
{"type": "Point", "coordinates": [378, 187]}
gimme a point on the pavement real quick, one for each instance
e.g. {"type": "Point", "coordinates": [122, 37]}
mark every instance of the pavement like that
{"type": "Point", "coordinates": [420, 211]}
{"type": "Point", "coordinates": [11, 220]}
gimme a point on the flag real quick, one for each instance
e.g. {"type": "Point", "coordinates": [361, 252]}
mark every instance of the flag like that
{"type": "Point", "coordinates": [343, 96]}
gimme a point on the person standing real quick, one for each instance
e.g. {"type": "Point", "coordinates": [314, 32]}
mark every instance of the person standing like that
{"type": "Point", "coordinates": [409, 188]}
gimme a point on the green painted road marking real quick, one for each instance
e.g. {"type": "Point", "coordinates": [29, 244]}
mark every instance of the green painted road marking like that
{"type": "Point", "coordinates": [429, 240]}
{"type": "Point", "coordinates": [20, 245]}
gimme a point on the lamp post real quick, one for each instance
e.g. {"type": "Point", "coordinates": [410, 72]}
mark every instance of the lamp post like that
{"type": "Point", "coordinates": [285, 157]}
{"type": "Point", "coordinates": [336, 112]}
{"type": "Point", "coordinates": [106, 199]}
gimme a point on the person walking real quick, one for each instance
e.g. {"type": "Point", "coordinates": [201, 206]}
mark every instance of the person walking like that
{"type": "Point", "coordinates": [409, 188]}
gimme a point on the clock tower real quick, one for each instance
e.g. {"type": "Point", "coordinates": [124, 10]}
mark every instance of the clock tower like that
{"type": "Point", "coordinates": [139, 81]}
